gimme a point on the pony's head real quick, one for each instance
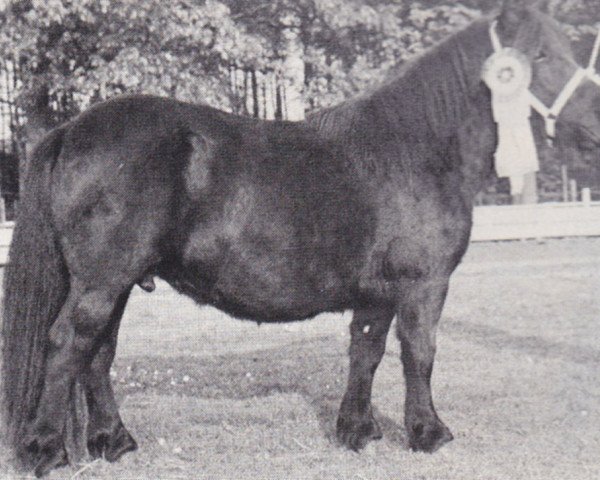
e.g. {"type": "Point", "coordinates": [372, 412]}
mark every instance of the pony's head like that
{"type": "Point", "coordinates": [563, 92]}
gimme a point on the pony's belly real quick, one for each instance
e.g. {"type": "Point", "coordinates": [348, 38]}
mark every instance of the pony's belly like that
{"type": "Point", "coordinates": [259, 291]}
{"type": "Point", "coordinates": [276, 295]}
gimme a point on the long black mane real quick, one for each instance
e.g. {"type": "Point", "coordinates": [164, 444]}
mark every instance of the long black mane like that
{"type": "Point", "coordinates": [425, 99]}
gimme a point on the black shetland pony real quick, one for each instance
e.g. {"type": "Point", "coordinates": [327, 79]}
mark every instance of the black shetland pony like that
{"type": "Point", "coordinates": [365, 206]}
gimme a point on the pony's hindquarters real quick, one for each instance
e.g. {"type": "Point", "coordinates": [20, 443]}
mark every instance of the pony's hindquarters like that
{"type": "Point", "coordinates": [35, 288]}
{"type": "Point", "coordinates": [95, 220]}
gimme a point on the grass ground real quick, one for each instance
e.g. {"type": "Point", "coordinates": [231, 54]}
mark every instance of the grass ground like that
{"type": "Point", "coordinates": [517, 379]}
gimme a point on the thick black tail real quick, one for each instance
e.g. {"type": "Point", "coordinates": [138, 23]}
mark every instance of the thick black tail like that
{"type": "Point", "coordinates": [35, 288]}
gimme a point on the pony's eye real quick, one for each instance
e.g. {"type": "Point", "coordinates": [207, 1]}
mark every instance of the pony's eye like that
{"type": "Point", "coordinates": [540, 57]}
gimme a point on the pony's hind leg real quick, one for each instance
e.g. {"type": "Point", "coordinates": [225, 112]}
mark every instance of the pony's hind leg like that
{"type": "Point", "coordinates": [418, 316]}
{"type": "Point", "coordinates": [85, 315]}
{"type": "Point", "coordinates": [106, 434]}
{"type": "Point", "coordinates": [368, 330]}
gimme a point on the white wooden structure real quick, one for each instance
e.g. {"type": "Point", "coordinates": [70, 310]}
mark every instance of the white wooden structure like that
{"type": "Point", "coordinates": [542, 220]}
{"type": "Point", "coordinates": [5, 238]}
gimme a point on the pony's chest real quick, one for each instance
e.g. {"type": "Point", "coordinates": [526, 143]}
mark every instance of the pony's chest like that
{"type": "Point", "coordinates": [419, 236]}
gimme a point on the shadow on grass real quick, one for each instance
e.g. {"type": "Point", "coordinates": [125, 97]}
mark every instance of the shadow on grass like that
{"type": "Point", "coordinates": [499, 339]}
{"type": "Point", "coordinates": [316, 370]}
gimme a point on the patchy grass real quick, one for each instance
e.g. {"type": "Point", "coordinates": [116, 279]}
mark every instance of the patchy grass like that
{"type": "Point", "coordinates": [516, 379]}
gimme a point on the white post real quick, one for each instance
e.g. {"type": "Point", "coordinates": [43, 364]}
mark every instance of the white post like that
{"type": "Point", "coordinates": [573, 188]}
{"type": "Point", "coordinates": [530, 194]}
{"type": "Point", "coordinates": [586, 197]}
{"type": "Point", "coordinates": [565, 183]}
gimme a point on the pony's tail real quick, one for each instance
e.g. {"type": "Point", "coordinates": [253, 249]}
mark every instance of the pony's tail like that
{"type": "Point", "coordinates": [35, 288]}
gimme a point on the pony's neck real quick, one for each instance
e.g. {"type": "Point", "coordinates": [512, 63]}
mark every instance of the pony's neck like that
{"type": "Point", "coordinates": [424, 113]}
{"type": "Point", "coordinates": [433, 94]}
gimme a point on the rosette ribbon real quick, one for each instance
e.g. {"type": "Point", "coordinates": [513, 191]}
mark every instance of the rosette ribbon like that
{"type": "Point", "coordinates": [507, 73]}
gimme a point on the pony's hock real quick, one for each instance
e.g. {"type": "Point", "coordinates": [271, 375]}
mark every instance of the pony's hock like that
{"type": "Point", "coordinates": [364, 206]}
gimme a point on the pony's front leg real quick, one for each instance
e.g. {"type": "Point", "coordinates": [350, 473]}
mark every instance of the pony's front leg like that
{"type": "Point", "coordinates": [418, 315]}
{"type": "Point", "coordinates": [106, 434]}
{"type": "Point", "coordinates": [83, 318]}
{"type": "Point", "coordinates": [368, 330]}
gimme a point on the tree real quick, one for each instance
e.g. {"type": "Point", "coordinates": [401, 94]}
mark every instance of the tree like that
{"type": "Point", "coordinates": [100, 48]}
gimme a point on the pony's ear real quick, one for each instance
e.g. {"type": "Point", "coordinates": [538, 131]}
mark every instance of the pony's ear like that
{"type": "Point", "coordinates": [512, 15]}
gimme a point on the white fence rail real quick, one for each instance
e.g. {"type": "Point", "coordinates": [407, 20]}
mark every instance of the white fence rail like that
{"type": "Point", "coordinates": [491, 223]}
{"type": "Point", "coordinates": [543, 220]}
{"type": "Point", "coordinates": [5, 238]}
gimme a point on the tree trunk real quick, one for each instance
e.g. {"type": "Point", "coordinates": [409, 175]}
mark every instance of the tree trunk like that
{"type": "Point", "coordinates": [245, 110]}
{"type": "Point", "coordinates": [278, 103]}
{"type": "Point", "coordinates": [255, 103]}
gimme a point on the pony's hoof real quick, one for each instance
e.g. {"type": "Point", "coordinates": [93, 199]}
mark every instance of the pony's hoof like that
{"type": "Point", "coordinates": [49, 460]}
{"type": "Point", "coordinates": [96, 445]}
{"type": "Point", "coordinates": [123, 443]}
{"type": "Point", "coordinates": [428, 438]}
{"type": "Point", "coordinates": [43, 454]}
{"type": "Point", "coordinates": [356, 435]}
{"type": "Point", "coordinates": [112, 446]}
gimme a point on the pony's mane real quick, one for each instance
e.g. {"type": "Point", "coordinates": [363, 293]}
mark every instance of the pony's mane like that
{"type": "Point", "coordinates": [425, 98]}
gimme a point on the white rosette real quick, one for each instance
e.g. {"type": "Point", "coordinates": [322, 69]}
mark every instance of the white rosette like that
{"type": "Point", "coordinates": [508, 75]}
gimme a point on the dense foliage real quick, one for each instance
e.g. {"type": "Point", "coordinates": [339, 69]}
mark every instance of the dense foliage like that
{"type": "Point", "coordinates": [96, 48]}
